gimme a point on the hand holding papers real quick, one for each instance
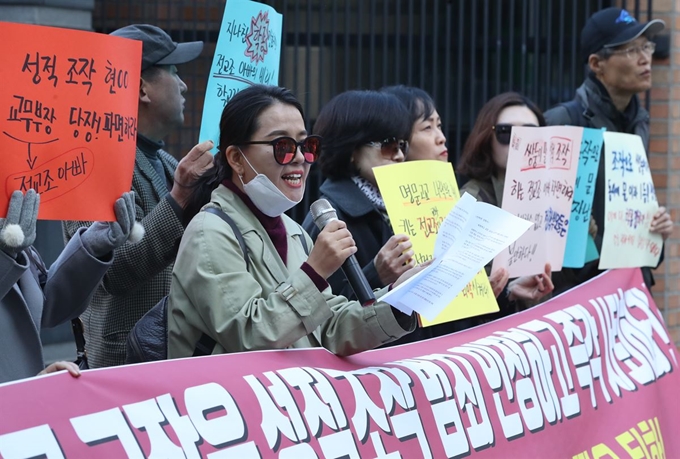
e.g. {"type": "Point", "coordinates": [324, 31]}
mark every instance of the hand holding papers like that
{"type": "Point", "coordinates": [471, 235]}
{"type": "Point", "coordinates": [418, 195]}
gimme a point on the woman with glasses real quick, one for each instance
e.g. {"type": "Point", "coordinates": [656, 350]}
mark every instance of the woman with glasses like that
{"type": "Point", "coordinates": [362, 130]}
{"type": "Point", "coordinates": [271, 294]}
{"type": "Point", "coordinates": [485, 153]}
{"type": "Point", "coordinates": [483, 162]}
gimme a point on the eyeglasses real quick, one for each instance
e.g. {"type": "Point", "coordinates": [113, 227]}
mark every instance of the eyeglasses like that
{"type": "Point", "coordinates": [390, 147]}
{"type": "Point", "coordinates": [503, 132]}
{"type": "Point", "coordinates": [285, 148]}
{"type": "Point", "coordinates": [632, 52]}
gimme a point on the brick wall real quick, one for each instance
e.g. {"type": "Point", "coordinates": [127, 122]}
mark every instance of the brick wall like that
{"type": "Point", "coordinates": [664, 159]}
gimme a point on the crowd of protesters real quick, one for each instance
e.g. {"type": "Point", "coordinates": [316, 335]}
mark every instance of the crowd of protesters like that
{"type": "Point", "coordinates": [286, 289]}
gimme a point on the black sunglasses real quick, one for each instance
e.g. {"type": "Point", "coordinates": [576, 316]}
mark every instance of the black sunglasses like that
{"type": "Point", "coordinates": [504, 131]}
{"type": "Point", "coordinates": [390, 147]}
{"type": "Point", "coordinates": [285, 148]}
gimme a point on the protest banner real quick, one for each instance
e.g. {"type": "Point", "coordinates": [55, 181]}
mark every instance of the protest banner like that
{"type": "Point", "coordinates": [248, 52]}
{"type": "Point", "coordinates": [580, 247]}
{"type": "Point", "coordinates": [418, 195]}
{"type": "Point", "coordinates": [70, 101]}
{"type": "Point", "coordinates": [592, 373]}
{"type": "Point", "coordinates": [630, 205]}
{"type": "Point", "coordinates": [539, 187]}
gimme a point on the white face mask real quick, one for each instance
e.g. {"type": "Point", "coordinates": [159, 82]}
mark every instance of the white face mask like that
{"type": "Point", "coordinates": [265, 195]}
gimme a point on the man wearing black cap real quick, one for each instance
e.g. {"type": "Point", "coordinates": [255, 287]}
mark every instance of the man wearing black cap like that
{"type": "Point", "coordinates": [618, 51]}
{"type": "Point", "coordinates": [140, 274]}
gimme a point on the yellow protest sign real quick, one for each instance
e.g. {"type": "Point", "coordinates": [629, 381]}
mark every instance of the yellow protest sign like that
{"type": "Point", "coordinates": [418, 195]}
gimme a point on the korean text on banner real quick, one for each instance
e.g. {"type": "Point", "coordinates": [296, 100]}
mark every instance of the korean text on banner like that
{"type": "Point", "coordinates": [539, 187]}
{"type": "Point", "coordinates": [418, 195]}
{"type": "Point", "coordinates": [591, 373]}
{"type": "Point", "coordinates": [70, 101]}
{"type": "Point", "coordinates": [471, 235]}
{"type": "Point", "coordinates": [576, 253]}
{"type": "Point", "coordinates": [248, 52]}
{"type": "Point", "coordinates": [630, 204]}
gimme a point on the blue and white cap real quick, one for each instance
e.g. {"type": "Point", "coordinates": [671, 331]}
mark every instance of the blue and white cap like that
{"type": "Point", "coordinates": [612, 27]}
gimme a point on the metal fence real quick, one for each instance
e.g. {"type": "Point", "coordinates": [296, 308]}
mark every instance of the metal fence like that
{"type": "Point", "coordinates": [463, 52]}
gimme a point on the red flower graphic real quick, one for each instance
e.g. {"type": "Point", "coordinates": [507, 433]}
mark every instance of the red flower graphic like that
{"type": "Point", "coordinates": [258, 37]}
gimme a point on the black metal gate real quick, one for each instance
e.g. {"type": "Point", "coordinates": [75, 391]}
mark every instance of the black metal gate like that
{"type": "Point", "coordinates": [463, 52]}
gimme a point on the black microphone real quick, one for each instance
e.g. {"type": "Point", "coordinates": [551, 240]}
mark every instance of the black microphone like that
{"type": "Point", "coordinates": [322, 213]}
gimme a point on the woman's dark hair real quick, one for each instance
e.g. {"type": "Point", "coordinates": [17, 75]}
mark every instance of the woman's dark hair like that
{"type": "Point", "coordinates": [238, 123]}
{"type": "Point", "coordinates": [476, 162]}
{"type": "Point", "coordinates": [352, 119]}
{"type": "Point", "coordinates": [418, 102]}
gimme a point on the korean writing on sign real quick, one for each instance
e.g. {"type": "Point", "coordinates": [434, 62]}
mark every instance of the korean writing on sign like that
{"type": "Point", "coordinates": [248, 52]}
{"type": "Point", "coordinates": [630, 204]}
{"type": "Point", "coordinates": [539, 187]}
{"type": "Point", "coordinates": [578, 238]}
{"type": "Point", "coordinates": [70, 118]}
{"type": "Point", "coordinates": [418, 196]}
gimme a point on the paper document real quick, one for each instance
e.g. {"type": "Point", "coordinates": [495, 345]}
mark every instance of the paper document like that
{"type": "Point", "coordinates": [472, 234]}
{"type": "Point", "coordinates": [418, 196]}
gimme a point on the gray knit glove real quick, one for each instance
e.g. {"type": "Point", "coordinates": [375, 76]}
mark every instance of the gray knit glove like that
{"type": "Point", "coordinates": [17, 230]}
{"type": "Point", "coordinates": [104, 237]}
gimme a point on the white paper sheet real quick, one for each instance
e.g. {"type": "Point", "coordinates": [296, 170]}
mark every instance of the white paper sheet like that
{"type": "Point", "coordinates": [472, 234]}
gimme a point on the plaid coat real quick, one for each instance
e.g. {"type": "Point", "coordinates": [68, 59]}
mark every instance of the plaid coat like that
{"type": "Point", "coordinates": [140, 274]}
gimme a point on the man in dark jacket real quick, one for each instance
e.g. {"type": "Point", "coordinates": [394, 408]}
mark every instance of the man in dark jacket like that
{"type": "Point", "coordinates": [140, 274]}
{"type": "Point", "coordinates": [618, 51]}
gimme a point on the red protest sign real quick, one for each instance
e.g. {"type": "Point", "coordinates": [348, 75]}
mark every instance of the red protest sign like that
{"type": "Point", "coordinates": [69, 123]}
{"type": "Point", "coordinates": [591, 373]}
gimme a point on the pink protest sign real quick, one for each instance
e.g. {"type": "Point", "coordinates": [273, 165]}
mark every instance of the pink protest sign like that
{"type": "Point", "coordinates": [591, 373]}
{"type": "Point", "coordinates": [539, 187]}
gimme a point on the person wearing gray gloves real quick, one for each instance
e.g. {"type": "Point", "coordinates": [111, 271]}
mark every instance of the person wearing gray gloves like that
{"type": "Point", "coordinates": [33, 297]}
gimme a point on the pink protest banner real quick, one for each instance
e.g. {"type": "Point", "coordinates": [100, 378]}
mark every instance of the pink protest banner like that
{"type": "Point", "coordinates": [539, 187]}
{"type": "Point", "coordinates": [70, 101]}
{"type": "Point", "coordinates": [591, 373]}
